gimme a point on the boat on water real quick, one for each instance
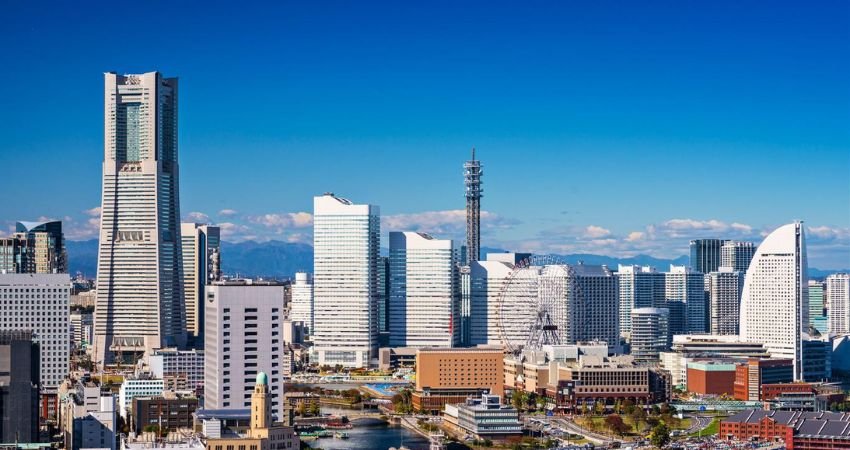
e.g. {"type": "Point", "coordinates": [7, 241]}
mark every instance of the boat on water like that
{"type": "Point", "coordinates": [341, 435]}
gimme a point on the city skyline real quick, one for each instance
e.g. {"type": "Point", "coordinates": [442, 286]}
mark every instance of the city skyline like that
{"type": "Point", "coordinates": [339, 123]}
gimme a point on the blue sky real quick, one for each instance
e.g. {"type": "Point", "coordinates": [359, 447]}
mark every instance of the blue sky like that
{"type": "Point", "coordinates": [607, 127]}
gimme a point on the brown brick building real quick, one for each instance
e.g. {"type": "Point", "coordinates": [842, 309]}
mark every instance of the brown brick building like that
{"type": "Point", "coordinates": [451, 375]}
{"type": "Point", "coordinates": [170, 413]}
{"type": "Point", "coordinates": [709, 378]}
{"type": "Point", "coordinates": [772, 390]}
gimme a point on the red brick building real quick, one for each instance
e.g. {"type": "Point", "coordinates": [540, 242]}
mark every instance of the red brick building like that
{"type": "Point", "coordinates": [772, 390]}
{"type": "Point", "coordinates": [799, 430]}
{"type": "Point", "coordinates": [711, 378]}
{"type": "Point", "coordinates": [759, 425]}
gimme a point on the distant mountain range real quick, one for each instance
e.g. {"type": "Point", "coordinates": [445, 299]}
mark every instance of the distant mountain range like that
{"type": "Point", "coordinates": [276, 259]}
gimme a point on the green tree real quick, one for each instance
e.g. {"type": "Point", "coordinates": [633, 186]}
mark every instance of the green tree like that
{"type": "Point", "coordinates": [583, 408]}
{"type": "Point", "coordinates": [599, 408]}
{"type": "Point", "coordinates": [519, 400]}
{"type": "Point", "coordinates": [638, 416]}
{"type": "Point", "coordinates": [660, 435]}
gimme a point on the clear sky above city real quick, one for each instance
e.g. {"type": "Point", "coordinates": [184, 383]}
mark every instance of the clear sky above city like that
{"type": "Point", "coordinates": [613, 128]}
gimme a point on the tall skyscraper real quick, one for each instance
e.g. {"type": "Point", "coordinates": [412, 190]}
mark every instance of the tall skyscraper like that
{"type": "Point", "coordinates": [838, 297]}
{"type": "Point", "coordinates": [482, 284]}
{"type": "Point", "coordinates": [685, 296]}
{"type": "Point", "coordinates": [302, 301]}
{"type": "Point", "coordinates": [725, 289]}
{"type": "Point", "coordinates": [650, 333]}
{"type": "Point", "coordinates": [737, 254]}
{"type": "Point", "coordinates": [775, 302]}
{"type": "Point", "coordinates": [472, 172]}
{"type": "Point", "coordinates": [346, 240]}
{"type": "Point", "coordinates": [705, 255]}
{"type": "Point", "coordinates": [244, 337]}
{"type": "Point", "coordinates": [139, 282]}
{"type": "Point", "coordinates": [424, 291]}
{"type": "Point", "coordinates": [39, 302]}
{"type": "Point", "coordinates": [640, 287]}
{"type": "Point", "coordinates": [35, 247]}
{"type": "Point", "coordinates": [598, 295]}
{"type": "Point", "coordinates": [817, 309]}
{"type": "Point", "coordinates": [384, 295]}
{"type": "Point", "coordinates": [201, 251]}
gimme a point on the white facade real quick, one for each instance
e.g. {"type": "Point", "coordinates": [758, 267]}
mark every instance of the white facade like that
{"type": "Point", "coordinates": [737, 255]}
{"type": "Point", "coordinates": [838, 298]}
{"type": "Point", "coordinates": [167, 363]}
{"type": "Point", "coordinates": [137, 387]}
{"type": "Point", "coordinates": [346, 240]}
{"type": "Point", "coordinates": [640, 287]}
{"type": "Point", "coordinates": [774, 305]}
{"type": "Point", "coordinates": [96, 430]}
{"type": "Point", "coordinates": [243, 336]}
{"type": "Point", "coordinates": [685, 291]}
{"type": "Point", "coordinates": [201, 251]}
{"type": "Point", "coordinates": [39, 302]}
{"type": "Point", "coordinates": [81, 329]}
{"type": "Point", "coordinates": [424, 294]}
{"type": "Point", "coordinates": [486, 279]}
{"type": "Point", "coordinates": [301, 309]}
{"type": "Point", "coordinates": [139, 284]}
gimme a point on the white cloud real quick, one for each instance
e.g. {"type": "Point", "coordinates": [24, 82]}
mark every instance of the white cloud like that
{"type": "Point", "coordinates": [593, 231]}
{"type": "Point", "coordinates": [283, 221]}
{"type": "Point", "coordinates": [197, 217]}
{"type": "Point", "coordinates": [228, 212]}
{"type": "Point", "coordinates": [635, 236]}
{"type": "Point", "coordinates": [449, 223]}
{"type": "Point", "coordinates": [88, 228]}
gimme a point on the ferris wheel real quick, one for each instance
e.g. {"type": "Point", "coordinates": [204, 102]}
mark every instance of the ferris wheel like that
{"type": "Point", "coordinates": [540, 303]}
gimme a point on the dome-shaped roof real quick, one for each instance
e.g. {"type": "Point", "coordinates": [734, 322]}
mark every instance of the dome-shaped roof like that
{"type": "Point", "coordinates": [262, 378]}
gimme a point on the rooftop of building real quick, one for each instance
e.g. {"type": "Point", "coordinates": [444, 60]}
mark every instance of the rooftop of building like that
{"type": "Point", "coordinates": [459, 350]}
{"type": "Point", "coordinates": [790, 418]}
{"type": "Point", "coordinates": [250, 282]}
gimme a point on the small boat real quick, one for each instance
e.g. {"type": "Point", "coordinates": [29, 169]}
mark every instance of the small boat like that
{"type": "Point", "coordinates": [341, 435]}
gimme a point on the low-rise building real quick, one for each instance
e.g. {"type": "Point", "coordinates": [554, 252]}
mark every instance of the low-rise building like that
{"type": "Point", "coordinates": [450, 375]}
{"type": "Point", "coordinates": [751, 375]}
{"type": "Point", "coordinates": [169, 412]}
{"type": "Point", "coordinates": [595, 379]}
{"type": "Point", "coordinates": [798, 429]}
{"type": "Point", "coordinates": [392, 358]}
{"type": "Point", "coordinates": [689, 348]}
{"type": "Point", "coordinates": [142, 386]}
{"type": "Point", "coordinates": [187, 365]}
{"type": "Point", "coordinates": [484, 417]}
{"type": "Point", "coordinates": [711, 378]}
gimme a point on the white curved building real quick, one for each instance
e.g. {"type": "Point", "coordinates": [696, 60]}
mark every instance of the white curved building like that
{"type": "Point", "coordinates": [775, 301]}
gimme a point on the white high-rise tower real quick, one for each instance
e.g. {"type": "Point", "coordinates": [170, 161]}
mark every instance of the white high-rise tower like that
{"type": "Point", "coordinates": [838, 297]}
{"type": "Point", "coordinates": [139, 298]}
{"type": "Point", "coordinates": [424, 291]}
{"type": "Point", "coordinates": [346, 240]}
{"type": "Point", "coordinates": [775, 301]}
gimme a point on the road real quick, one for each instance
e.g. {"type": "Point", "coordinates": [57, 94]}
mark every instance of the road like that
{"type": "Point", "coordinates": [697, 423]}
{"type": "Point", "coordinates": [574, 428]}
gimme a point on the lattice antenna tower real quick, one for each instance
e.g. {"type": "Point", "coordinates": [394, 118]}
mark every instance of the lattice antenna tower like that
{"type": "Point", "coordinates": [472, 172]}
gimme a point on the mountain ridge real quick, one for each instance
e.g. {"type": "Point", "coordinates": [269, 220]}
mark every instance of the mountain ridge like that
{"type": "Point", "coordinates": [278, 259]}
